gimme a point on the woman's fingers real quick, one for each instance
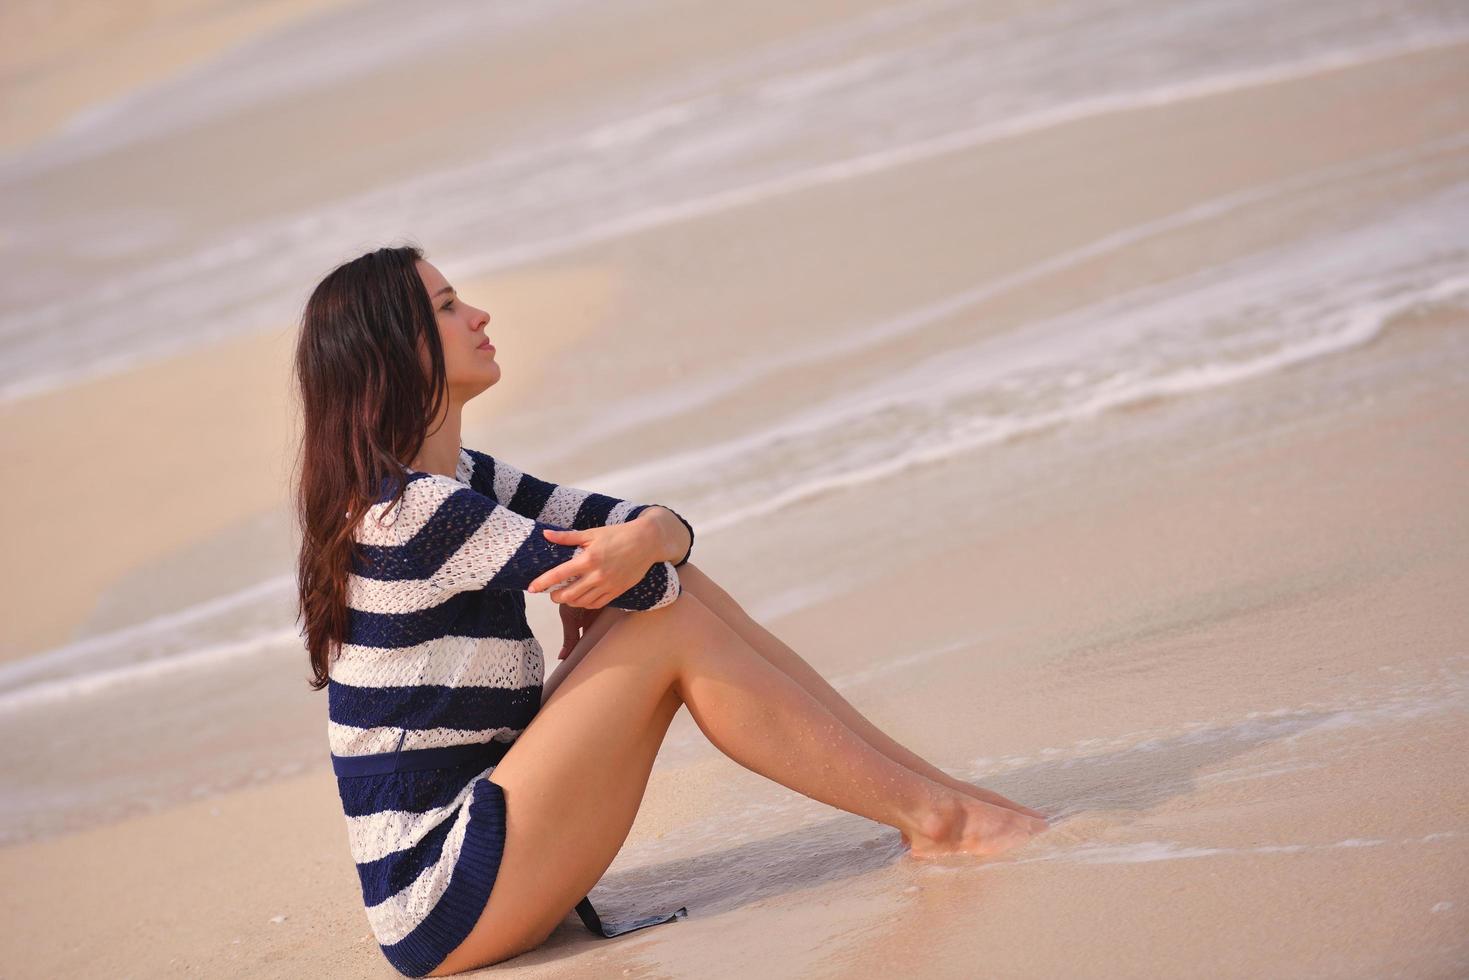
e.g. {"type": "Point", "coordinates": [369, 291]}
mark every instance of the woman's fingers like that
{"type": "Point", "coordinates": [568, 570]}
{"type": "Point", "coordinates": [561, 576]}
{"type": "Point", "coordinates": [573, 593]}
{"type": "Point", "coordinates": [575, 622]}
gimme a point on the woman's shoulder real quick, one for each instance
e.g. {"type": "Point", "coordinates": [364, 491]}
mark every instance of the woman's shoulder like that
{"type": "Point", "coordinates": [477, 457]}
{"type": "Point", "coordinates": [387, 520]}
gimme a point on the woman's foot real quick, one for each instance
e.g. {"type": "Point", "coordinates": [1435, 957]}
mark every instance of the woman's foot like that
{"type": "Point", "coordinates": [964, 825]}
{"type": "Point", "coordinates": [995, 799]}
{"type": "Point", "coordinates": [987, 796]}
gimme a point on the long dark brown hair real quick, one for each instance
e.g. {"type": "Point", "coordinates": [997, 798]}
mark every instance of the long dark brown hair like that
{"type": "Point", "coordinates": [369, 371]}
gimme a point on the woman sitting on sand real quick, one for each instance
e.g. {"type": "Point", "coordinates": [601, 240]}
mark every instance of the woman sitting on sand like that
{"type": "Point", "coordinates": [481, 805]}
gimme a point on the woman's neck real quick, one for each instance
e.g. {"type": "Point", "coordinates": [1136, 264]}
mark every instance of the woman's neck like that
{"type": "Point", "coordinates": [440, 451]}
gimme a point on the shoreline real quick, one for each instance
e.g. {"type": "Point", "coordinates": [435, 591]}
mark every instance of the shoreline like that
{"type": "Point", "coordinates": [1230, 752]}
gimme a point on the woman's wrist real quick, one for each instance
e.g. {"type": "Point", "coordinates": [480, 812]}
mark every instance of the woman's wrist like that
{"type": "Point", "coordinates": [668, 538]}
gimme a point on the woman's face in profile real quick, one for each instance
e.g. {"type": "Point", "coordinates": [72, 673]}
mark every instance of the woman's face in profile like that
{"type": "Point", "coordinates": [469, 359]}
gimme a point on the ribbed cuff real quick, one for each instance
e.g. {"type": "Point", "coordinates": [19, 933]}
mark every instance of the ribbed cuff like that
{"type": "Point", "coordinates": [691, 534]}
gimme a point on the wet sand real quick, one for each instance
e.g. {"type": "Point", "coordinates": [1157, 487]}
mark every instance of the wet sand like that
{"type": "Point", "coordinates": [1238, 672]}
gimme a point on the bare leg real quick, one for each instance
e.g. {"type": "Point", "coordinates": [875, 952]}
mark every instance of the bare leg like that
{"type": "Point", "coordinates": [574, 779]}
{"type": "Point", "coordinates": [782, 656]}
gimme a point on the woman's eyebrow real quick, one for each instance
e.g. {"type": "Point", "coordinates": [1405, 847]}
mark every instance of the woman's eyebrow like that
{"type": "Point", "coordinates": [446, 289]}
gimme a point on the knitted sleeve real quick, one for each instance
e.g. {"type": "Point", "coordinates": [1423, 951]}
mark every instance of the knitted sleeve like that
{"type": "Point", "coordinates": [467, 540]}
{"type": "Point", "coordinates": [557, 503]}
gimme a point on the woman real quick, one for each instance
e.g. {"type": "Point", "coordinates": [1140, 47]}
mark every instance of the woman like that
{"type": "Point", "coordinates": [482, 804]}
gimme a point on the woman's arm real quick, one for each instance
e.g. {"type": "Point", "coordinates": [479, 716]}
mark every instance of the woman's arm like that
{"type": "Point", "coordinates": [459, 540]}
{"type": "Point", "coordinates": [572, 507]}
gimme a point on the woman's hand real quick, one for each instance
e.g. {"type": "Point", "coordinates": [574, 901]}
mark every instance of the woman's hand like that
{"type": "Point", "coordinates": [573, 621]}
{"type": "Point", "coordinates": [608, 561]}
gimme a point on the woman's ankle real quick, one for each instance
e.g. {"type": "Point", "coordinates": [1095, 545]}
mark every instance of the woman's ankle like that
{"type": "Point", "coordinates": [937, 817]}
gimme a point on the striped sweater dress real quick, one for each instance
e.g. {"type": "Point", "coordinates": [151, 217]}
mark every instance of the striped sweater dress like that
{"type": "Point", "coordinates": [439, 674]}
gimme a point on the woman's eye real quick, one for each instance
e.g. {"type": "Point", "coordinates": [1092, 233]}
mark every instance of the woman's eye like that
{"type": "Point", "coordinates": [448, 304]}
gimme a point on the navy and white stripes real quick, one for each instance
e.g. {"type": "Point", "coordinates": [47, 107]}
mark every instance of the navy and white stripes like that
{"type": "Point", "coordinates": [439, 653]}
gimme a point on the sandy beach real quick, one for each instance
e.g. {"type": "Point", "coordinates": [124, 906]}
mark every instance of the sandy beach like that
{"type": "Point", "coordinates": [940, 417]}
{"type": "Point", "coordinates": [1240, 673]}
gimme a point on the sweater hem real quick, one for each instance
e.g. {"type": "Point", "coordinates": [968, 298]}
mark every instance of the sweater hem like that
{"type": "Point", "coordinates": [463, 902]}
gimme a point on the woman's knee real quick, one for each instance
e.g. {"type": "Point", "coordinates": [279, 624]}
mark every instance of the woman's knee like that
{"type": "Point", "coordinates": [710, 592]}
{"type": "Point", "coordinates": [693, 579]}
{"type": "Point", "coordinates": [693, 629]}
{"type": "Point", "coordinates": [660, 640]}
{"type": "Point", "coordinates": [686, 620]}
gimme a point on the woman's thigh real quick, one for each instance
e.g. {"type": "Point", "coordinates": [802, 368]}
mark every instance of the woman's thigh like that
{"type": "Point", "coordinates": [601, 623]}
{"type": "Point", "coordinates": [573, 782]}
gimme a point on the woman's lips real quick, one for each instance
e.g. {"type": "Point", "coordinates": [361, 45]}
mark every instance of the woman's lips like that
{"type": "Point", "coordinates": [486, 346]}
